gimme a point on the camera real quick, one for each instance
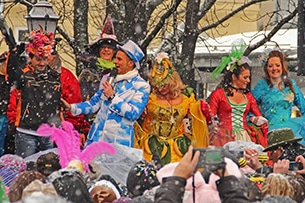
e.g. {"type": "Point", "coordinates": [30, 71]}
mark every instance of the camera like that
{"type": "Point", "coordinates": [238, 154]}
{"type": "Point", "coordinates": [294, 166]}
{"type": "Point", "coordinates": [210, 159]}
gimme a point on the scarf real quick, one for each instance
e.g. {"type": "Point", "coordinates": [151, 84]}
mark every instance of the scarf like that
{"type": "Point", "coordinates": [104, 64]}
{"type": "Point", "coordinates": [126, 76]}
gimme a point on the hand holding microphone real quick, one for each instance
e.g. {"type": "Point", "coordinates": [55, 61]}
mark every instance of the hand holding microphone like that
{"type": "Point", "coordinates": [112, 76]}
{"type": "Point", "coordinates": [108, 85]}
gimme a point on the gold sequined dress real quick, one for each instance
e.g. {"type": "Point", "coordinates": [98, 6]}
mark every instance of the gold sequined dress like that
{"type": "Point", "coordinates": [163, 129]}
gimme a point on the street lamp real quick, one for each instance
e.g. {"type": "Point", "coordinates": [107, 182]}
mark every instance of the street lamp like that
{"type": "Point", "coordinates": [42, 16]}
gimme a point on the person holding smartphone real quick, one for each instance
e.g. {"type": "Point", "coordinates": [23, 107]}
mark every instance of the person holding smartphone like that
{"type": "Point", "coordinates": [282, 145]}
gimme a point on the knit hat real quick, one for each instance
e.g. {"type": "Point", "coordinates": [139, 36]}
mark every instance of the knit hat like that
{"type": "Point", "coordinates": [39, 198]}
{"type": "Point", "coordinates": [15, 162]}
{"type": "Point", "coordinates": [122, 200]}
{"type": "Point", "coordinates": [280, 137]}
{"type": "Point", "coordinates": [8, 175]}
{"type": "Point", "coordinates": [142, 176]}
{"type": "Point", "coordinates": [140, 199]}
{"type": "Point", "coordinates": [106, 180]}
{"type": "Point", "coordinates": [70, 185]}
{"type": "Point", "coordinates": [39, 187]}
{"type": "Point", "coordinates": [48, 163]}
{"type": "Point", "coordinates": [11, 166]}
{"type": "Point", "coordinates": [23, 180]}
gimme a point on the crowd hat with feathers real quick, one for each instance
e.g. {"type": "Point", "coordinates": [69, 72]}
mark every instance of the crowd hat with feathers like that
{"type": "Point", "coordinates": [107, 37]}
{"type": "Point", "coordinates": [235, 58]}
{"type": "Point", "coordinates": [67, 140]}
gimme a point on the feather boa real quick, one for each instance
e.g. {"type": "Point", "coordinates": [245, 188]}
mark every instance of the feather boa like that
{"type": "Point", "coordinates": [67, 140]}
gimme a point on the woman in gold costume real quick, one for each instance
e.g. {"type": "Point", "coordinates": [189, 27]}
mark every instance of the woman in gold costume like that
{"type": "Point", "coordinates": [166, 128]}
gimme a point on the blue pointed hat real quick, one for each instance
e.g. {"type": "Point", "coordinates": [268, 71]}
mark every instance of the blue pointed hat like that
{"type": "Point", "coordinates": [133, 51]}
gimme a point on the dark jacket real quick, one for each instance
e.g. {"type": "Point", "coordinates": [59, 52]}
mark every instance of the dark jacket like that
{"type": "Point", "coordinates": [40, 94]}
{"type": "Point", "coordinates": [171, 190]}
{"type": "Point", "coordinates": [5, 95]}
{"type": "Point", "coordinates": [230, 191]}
{"type": "Point", "coordinates": [40, 98]}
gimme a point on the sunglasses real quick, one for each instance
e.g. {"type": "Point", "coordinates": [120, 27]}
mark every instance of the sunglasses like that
{"type": "Point", "coordinates": [104, 46]}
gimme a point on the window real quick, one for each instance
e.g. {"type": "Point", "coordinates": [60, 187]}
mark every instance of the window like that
{"type": "Point", "coordinates": [21, 34]}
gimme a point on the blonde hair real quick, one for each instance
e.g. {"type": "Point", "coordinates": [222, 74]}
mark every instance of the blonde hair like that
{"type": "Point", "coordinates": [278, 185]}
{"type": "Point", "coordinates": [174, 81]}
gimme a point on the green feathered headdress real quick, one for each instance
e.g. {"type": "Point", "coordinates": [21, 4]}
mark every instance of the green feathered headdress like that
{"type": "Point", "coordinates": [235, 58]}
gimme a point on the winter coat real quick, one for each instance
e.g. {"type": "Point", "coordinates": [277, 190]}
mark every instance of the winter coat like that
{"type": "Point", "coordinates": [12, 106]}
{"type": "Point", "coordinates": [230, 191]}
{"type": "Point", "coordinates": [5, 94]}
{"type": "Point", "coordinates": [115, 118]}
{"type": "Point", "coordinates": [70, 185]}
{"type": "Point", "coordinates": [71, 92]}
{"type": "Point", "coordinates": [40, 96]}
{"type": "Point", "coordinates": [171, 190]}
{"type": "Point", "coordinates": [292, 150]}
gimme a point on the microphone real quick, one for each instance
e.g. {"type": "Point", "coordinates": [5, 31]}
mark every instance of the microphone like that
{"type": "Point", "coordinates": [113, 74]}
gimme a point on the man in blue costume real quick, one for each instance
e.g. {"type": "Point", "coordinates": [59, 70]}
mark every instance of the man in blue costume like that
{"type": "Point", "coordinates": [120, 104]}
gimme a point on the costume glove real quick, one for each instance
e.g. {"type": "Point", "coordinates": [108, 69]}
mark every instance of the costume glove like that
{"type": "Point", "coordinates": [205, 109]}
{"type": "Point", "coordinates": [258, 120]}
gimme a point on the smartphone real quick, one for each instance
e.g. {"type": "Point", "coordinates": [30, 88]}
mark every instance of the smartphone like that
{"type": "Point", "coordinates": [294, 166]}
{"type": "Point", "coordinates": [210, 158]}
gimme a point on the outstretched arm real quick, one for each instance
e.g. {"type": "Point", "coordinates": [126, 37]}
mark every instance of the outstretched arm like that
{"type": "Point", "coordinates": [172, 188]}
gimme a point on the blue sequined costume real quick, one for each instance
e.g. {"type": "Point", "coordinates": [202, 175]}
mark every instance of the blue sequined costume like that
{"type": "Point", "coordinates": [277, 105]}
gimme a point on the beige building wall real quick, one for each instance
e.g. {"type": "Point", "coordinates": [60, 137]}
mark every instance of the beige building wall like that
{"type": "Point", "coordinates": [244, 21]}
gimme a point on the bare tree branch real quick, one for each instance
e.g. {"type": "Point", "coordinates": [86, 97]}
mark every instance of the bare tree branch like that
{"type": "Point", "coordinates": [26, 3]}
{"type": "Point", "coordinates": [117, 9]}
{"type": "Point", "coordinates": [205, 7]}
{"type": "Point", "coordinates": [267, 38]}
{"type": "Point", "coordinates": [159, 25]}
{"type": "Point", "coordinates": [66, 37]}
{"type": "Point", "coordinates": [151, 6]}
{"type": "Point", "coordinates": [220, 21]}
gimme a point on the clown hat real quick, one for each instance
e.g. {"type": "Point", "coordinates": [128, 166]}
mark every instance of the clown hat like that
{"type": "Point", "coordinates": [107, 37]}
